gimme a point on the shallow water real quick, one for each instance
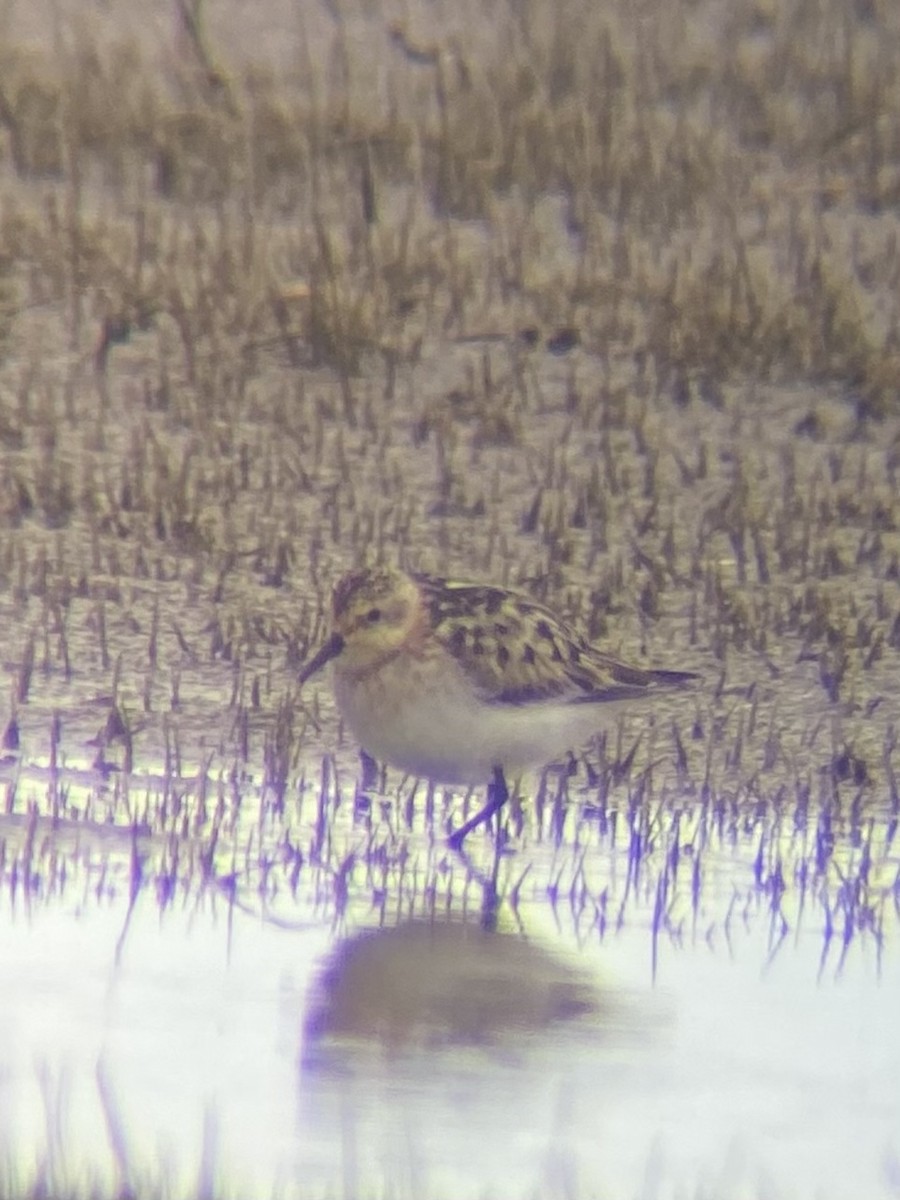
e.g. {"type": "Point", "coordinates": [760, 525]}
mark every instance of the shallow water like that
{"type": "Point", "coordinates": [726, 1054]}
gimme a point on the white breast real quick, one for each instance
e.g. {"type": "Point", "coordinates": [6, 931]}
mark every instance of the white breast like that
{"type": "Point", "coordinates": [449, 735]}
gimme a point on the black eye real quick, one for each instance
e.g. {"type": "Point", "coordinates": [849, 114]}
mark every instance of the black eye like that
{"type": "Point", "coordinates": [373, 615]}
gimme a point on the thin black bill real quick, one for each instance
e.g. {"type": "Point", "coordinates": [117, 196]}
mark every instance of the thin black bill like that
{"type": "Point", "coordinates": [330, 650]}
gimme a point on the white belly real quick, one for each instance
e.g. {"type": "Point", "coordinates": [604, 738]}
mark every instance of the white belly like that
{"type": "Point", "coordinates": [447, 735]}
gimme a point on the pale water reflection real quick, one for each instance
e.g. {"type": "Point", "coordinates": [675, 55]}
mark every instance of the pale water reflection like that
{"type": "Point", "coordinates": [737, 1074]}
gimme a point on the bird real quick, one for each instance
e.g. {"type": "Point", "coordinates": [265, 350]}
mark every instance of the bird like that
{"type": "Point", "coordinates": [464, 682]}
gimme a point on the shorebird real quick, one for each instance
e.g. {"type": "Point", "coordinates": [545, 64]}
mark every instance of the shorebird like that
{"type": "Point", "coordinates": [464, 682]}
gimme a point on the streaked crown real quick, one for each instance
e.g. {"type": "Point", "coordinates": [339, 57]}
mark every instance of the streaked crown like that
{"type": "Point", "coordinates": [374, 612]}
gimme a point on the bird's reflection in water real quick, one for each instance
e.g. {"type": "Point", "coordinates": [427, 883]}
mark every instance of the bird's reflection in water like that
{"type": "Point", "coordinates": [430, 984]}
{"type": "Point", "coordinates": [419, 1034]}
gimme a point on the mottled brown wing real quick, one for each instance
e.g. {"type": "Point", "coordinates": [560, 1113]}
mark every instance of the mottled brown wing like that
{"type": "Point", "coordinates": [518, 651]}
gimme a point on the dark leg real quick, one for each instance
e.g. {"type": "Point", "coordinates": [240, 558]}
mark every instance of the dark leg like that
{"type": "Point", "coordinates": [498, 794]}
{"type": "Point", "coordinates": [490, 897]}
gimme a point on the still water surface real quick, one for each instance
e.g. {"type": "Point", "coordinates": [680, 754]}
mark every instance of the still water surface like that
{"type": "Point", "coordinates": [721, 1057]}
